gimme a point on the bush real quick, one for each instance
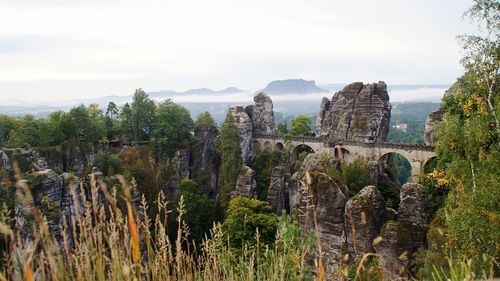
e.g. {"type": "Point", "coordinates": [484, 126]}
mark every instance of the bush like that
{"type": "Point", "coordinates": [199, 209]}
{"type": "Point", "coordinates": [246, 217]}
{"type": "Point", "coordinates": [108, 163]}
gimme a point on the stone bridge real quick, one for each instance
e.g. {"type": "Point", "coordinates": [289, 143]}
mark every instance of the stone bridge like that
{"type": "Point", "coordinates": [417, 155]}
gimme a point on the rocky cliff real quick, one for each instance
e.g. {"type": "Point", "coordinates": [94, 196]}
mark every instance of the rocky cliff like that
{"type": "Point", "coordinates": [359, 112]}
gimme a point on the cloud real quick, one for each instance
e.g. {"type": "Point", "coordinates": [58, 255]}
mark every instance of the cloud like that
{"type": "Point", "coordinates": [120, 45]}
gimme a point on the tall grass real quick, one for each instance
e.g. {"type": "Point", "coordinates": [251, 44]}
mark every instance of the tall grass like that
{"type": "Point", "coordinates": [117, 240]}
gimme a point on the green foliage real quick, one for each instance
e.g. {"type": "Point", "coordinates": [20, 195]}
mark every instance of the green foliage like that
{"type": "Point", "coordinates": [7, 125]}
{"type": "Point", "coordinates": [263, 164]}
{"type": "Point", "coordinates": [354, 174]}
{"type": "Point", "coordinates": [199, 209]}
{"type": "Point", "coordinates": [126, 118]}
{"type": "Point", "coordinates": [301, 125]}
{"type": "Point", "coordinates": [107, 162]}
{"type": "Point", "coordinates": [468, 141]}
{"type": "Point", "coordinates": [204, 122]}
{"type": "Point", "coordinates": [172, 128]}
{"type": "Point", "coordinates": [142, 113]}
{"type": "Point", "coordinates": [245, 218]}
{"type": "Point", "coordinates": [228, 144]}
{"type": "Point", "coordinates": [282, 128]}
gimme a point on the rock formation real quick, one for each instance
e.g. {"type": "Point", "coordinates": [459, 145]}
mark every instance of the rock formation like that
{"type": "Point", "coordinates": [276, 191]}
{"type": "Point", "coordinates": [312, 191]}
{"type": "Point", "coordinates": [262, 115]}
{"type": "Point", "coordinates": [358, 112]}
{"type": "Point", "coordinates": [245, 127]}
{"type": "Point", "coordinates": [364, 215]}
{"type": "Point", "coordinates": [246, 185]}
{"type": "Point", "coordinates": [256, 118]}
{"type": "Point", "coordinates": [413, 205]}
{"type": "Point", "coordinates": [203, 170]}
{"type": "Point", "coordinates": [392, 246]}
{"type": "Point", "coordinates": [432, 119]}
{"type": "Point", "coordinates": [401, 238]}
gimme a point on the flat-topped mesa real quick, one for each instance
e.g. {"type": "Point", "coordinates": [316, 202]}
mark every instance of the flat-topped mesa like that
{"type": "Point", "coordinates": [359, 112]}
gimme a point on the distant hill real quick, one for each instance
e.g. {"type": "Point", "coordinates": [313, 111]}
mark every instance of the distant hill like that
{"type": "Point", "coordinates": [293, 86]}
{"type": "Point", "coordinates": [199, 91]}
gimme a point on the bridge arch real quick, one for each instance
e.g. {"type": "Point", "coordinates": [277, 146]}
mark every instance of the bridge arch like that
{"type": "Point", "coordinates": [279, 146]}
{"type": "Point", "coordinates": [300, 151]}
{"type": "Point", "coordinates": [398, 166]}
{"type": "Point", "coordinates": [429, 164]}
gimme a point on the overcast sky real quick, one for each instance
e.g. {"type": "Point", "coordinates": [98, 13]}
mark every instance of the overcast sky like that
{"type": "Point", "coordinates": [67, 49]}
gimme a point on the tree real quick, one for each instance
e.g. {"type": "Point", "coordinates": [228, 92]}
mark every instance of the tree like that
{"type": "Point", "coordinates": [229, 147]}
{"type": "Point", "coordinates": [301, 125]}
{"type": "Point", "coordinates": [282, 128]}
{"type": "Point", "coordinates": [468, 151]}
{"type": "Point", "coordinates": [199, 209]}
{"type": "Point", "coordinates": [173, 126]}
{"type": "Point", "coordinates": [482, 55]}
{"type": "Point", "coordinates": [246, 217]}
{"type": "Point", "coordinates": [263, 164]}
{"type": "Point", "coordinates": [204, 122]}
{"type": "Point", "coordinates": [112, 110]}
{"type": "Point", "coordinates": [126, 117]}
{"type": "Point", "coordinates": [142, 117]}
{"type": "Point", "coordinates": [7, 124]}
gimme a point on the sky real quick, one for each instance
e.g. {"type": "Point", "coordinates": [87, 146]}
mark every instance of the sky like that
{"type": "Point", "coordinates": [58, 50]}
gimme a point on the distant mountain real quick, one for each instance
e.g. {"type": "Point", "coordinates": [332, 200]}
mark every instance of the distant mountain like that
{"type": "Point", "coordinates": [199, 91]}
{"type": "Point", "coordinates": [293, 86]}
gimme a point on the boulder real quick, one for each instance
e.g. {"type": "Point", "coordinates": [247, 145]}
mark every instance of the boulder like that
{"type": "Point", "coordinates": [359, 112]}
{"type": "Point", "coordinates": [432, 119]}
{"type": "Point", "coordinates": [364, 215]}
{"type": "Point", "coordinates": [276, 191]}
{"type": "Point", "coordinates": [246, 185]}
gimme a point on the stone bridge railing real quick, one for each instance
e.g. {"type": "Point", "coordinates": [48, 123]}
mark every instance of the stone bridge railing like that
{"type": "Point", "coordinates": [334, 142]}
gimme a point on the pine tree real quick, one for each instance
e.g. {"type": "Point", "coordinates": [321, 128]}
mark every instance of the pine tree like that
{"type": "Point", "coordinates": [230, 150]}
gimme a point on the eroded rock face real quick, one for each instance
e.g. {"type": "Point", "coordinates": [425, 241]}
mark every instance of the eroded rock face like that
{"type": "Point", "coordinates": [253, 119]}
{"type": "Point", "coordinates": [276, 191]}
{"type": "Point", "coordinates": [393, 248]}
{"type": "Point", "coordinates": [203, 169]}
{"type": "Point", "coordinates": [359, 112]}
{"type": "Point", "coordinates": [413, 205]}
{"type": "Point", "coordinates": [245, 127]}
{"type": "Point", "coordinates": [262, 114]}
{"type": "Point", "coordinates": [311, 190]}
{"type": "Point", "coordinates": [246, 185]}
{"type": "Point", "coordinates": [364, 215]}
{"type": "Point", "coordinates": [430, 124]}
{"type": "Point", "coordinates": [401, 238]}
